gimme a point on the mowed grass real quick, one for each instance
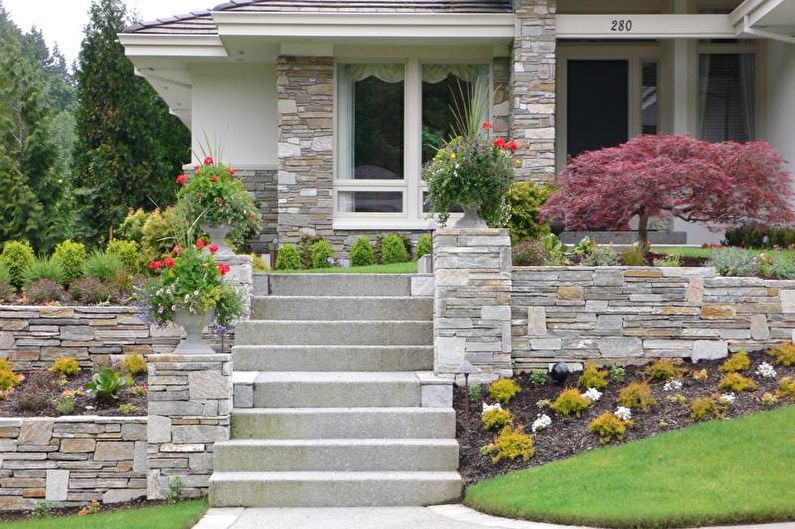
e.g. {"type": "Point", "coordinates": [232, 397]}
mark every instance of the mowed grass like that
{"type": "Point", "coordinates": [689, 251]}
{"type": "Point", "coordinates": [397, 268]}
{"type": "Point", "coordinates": [178, 516]}
{"type": "Point", "coordinates": [720, 472]}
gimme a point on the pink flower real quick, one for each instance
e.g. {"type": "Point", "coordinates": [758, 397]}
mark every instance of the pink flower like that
{"type": "Point", "coordinates": [181, 179]}
{"type": "Point", "coordinates": [488, 125]}
{"type": "Point", "coordinates": [209, 161]}
{"type": "Point", "coordinates": [213, 248]}
{"type": "Point", "coordinates": [224, 269]}
{"type": "Point", "coordinates": [512, 146]}
{"type": "Point", "coordinates": [200, 244]}
{"type": "Point", "coordinates": [499, 142]}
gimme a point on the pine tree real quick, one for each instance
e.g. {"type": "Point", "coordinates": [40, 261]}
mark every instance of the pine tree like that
{"type": "Point", "coordinates": [126, 153]}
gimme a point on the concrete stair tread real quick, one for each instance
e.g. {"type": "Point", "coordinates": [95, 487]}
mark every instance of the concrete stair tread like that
{"type": "Point", "coordinates": [337, 377]}
{"type": "Point", "coordinates": [338, 442]}
{"type": "Point", "coordinates": [331, 298]}
{"type": "Point", "coordinates": [330, 476]}
{"type": "Point", "coordinates": [334, 332]}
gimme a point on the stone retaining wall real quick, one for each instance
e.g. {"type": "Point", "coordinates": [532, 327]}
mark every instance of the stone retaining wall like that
{"type": "Point", "coordinates": [71, 460]}
{"type": "Point", "coordinates": [625, 315]}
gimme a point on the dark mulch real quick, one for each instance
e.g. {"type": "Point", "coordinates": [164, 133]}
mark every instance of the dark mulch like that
{"type": "Point", "coordinates": [569, 436]}
{"type": "Point", "coordinates": [85, 405]}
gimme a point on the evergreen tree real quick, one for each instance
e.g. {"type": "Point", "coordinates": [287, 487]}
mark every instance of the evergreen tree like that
{"type": "Point", "coordinates": [129, 148]}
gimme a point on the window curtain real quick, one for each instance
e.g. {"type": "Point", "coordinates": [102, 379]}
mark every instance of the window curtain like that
{"type": "Point", "coordinates": [748, 87]}
{"type": "Point", "coordinates": [703, 93]}
{"type": "Point", "coordinates": [476, 74]}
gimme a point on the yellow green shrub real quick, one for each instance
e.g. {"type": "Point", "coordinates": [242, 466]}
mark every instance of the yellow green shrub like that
{"type": "Point", "coordinates": [504, 390]}
{"type": "Point", "coordinates": [637, 396]}
{"type": "Point", "coordinates": [609, 428]}
{"type": "Point", "coordinates": [8, 379]}
{"type": "Point", "coordinates": [134, 364]}
{"type": "Point", "coordinates": [65, 366]}
{"type": "Point", "coordinates": [593, 377]}
{"type": "Point", "coordinates": [495, 418]}
{"type": "Point", "coordinates": [704, 408]}
{"type": "Point", "coordinates": [664, 369]}
{"type": "Point", "coordinates": [570, 402]}
{"type": "Point", "coordinates": [737, 383]}
{"type": "Point", "coordinates": [786, 388]}
{"type": "Point", "coordinates": [735, 363]}
{"type": "Point", "coordinates": [769, 400]}
{"type": "Point", "coordinates": [784, 354]}
{"type": "Point", "coordinates": [511, 443]}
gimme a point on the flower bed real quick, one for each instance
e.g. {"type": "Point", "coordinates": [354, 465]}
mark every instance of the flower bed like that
{"type": "Point", "coordinates": [565, 436]}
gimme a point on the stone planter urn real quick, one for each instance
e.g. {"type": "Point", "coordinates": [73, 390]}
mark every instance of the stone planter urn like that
{"type": "Point", "coordinates": [194, 325]}
{"type": "Point", "coordinates": [218, 235]}
{"type": "Point", "coordinates": [471, 218]}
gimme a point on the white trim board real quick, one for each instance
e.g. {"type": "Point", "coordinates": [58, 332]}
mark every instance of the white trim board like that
{"type": "Point", "coordinates": [625, 26]}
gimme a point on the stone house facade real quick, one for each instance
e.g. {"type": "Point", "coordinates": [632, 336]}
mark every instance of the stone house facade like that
{"type": "Point", "coordinates": [329, 109]}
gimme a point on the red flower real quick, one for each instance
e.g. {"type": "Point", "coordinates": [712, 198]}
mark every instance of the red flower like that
{"type": "Point", "coordinates": [181, 179]}
{"type": "Point", "coordinates": [232, 171]}
{"type": "Point", "coordinates": [200, 244]}
{"type": "Point", "coordinates": [214, 178]}
{"type": "Point", "coordinates": [213, 248]}
{"type": "Point", "coordinates": [224, 269]}
{"type": "Point", "coordinates": [155, 265]}
{"type": "Point", "coordinates": [512, 146]}
{"type": "Point", "coordinates": [499, 142]}
{"type": "Point", "coordinates": [209, 161]}
{"type": "Point", "coordinates": [169, 262]}
{"type": "Point", "coordinates": [488, 125]}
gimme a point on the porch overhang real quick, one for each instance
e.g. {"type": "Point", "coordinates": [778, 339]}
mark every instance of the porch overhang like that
{"type": "Point", "coordinates": [620, 27]}
{"type": "Point", "coordinates": [772, 19]}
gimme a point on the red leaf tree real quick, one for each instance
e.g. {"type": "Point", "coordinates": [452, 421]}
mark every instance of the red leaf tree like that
{"type": "Point", "coordinates": [721, 184]}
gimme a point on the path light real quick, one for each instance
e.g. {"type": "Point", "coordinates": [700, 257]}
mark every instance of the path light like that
{"type": "Point", "coordinates": [466, 368]}
{"type": "Point", "coordinates": [560, 372]}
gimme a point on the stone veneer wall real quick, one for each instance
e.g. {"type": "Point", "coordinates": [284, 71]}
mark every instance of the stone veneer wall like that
{"type": "Point", "coordinates": [533, 88]}
{"type": "Point", "coordinates": [262, 183]}
{"type": "Point", "coordinates": [622, 315]}
{"type": "Point", "coordinates": [71, 460]}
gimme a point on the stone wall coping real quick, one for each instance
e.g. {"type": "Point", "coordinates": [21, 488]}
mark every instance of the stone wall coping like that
{"type": "Point", "coordinates": [105, 309]}
{"type": "Point", "coordinates": [99, 419]}
{"type": "Point", "coordinates": [171, 357]}
{"type": "Point", "coordinates": [471, 231]}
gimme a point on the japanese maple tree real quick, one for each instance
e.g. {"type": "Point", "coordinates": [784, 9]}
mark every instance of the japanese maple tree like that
{"type": "Point", "coordinates": [721, 184]}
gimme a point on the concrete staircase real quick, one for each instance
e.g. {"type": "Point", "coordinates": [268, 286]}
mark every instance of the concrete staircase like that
{"type": "Point", "coordinates": [335, 401]}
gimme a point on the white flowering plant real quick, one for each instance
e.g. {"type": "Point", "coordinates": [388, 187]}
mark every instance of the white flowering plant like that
{"type": "Point", "coordinates": [766, 370]}
{"type": "Point", "coordinates": [673, 385]}
{"type": "Point", "coordinates": [625, 414]}
{"type": "Point", "coordinates": [490, 407]}
{"type": "Point", "coordinates": [727, 398]}
{"type": "Point", "coordinates": [542, 422]}
{"type": "Point", "coordinates": [592, 394]}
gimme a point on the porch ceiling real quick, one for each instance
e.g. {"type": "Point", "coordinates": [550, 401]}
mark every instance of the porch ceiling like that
{"type": "Point", "coordinates": [774, 19]}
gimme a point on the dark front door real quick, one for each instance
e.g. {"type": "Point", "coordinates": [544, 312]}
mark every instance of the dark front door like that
{"type": "Point", "coordinates": [598, 103]}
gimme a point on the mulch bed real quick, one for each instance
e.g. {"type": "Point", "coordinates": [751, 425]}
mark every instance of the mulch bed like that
{"type": "Point", "coordinates": [569, 436]}
{"type": "Point", "coordinates": [85, 405]}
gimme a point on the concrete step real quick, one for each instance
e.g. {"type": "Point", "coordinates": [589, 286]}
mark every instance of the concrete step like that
{"type": "Point", "coordinates": [370, 455]}
{"type": "Point", "coordinates": [366, 308]}
{"type": "Point", "coordinates": [343, 423]}
{"type": "Point", "coordinates": [305, 389]}
{"type": "Point", "coordinates": [333, 358]}
{"type": "Point", "coordinates": [378, 285]}
{"type": "Point", "coordinates": [333, 489]}
{"type": "Point", "coordinates": [266, 332]}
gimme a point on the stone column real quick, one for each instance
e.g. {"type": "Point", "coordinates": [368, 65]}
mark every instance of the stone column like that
{"type": "Point", "coordinates": [241, 277]}
{"type": "Point", "coordinates": [472, 307]}
{"type": "Point", "coordinates": [306, 140]}
{"type": "Point", "coordinates": [533, 88]}
{"type": "Point", "coordinates": [190, 398]}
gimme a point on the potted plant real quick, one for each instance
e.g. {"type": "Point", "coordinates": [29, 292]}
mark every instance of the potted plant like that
{"type": "Point", "coordinates": [472, 169]}
{"type": "Point", "coordinates": [189, 290]}
{"type": "Point", "coordinates": [220, 201]}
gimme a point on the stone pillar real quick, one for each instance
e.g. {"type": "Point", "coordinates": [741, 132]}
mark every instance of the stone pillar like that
{"type": "Point", "coordinates": [306, 141]}
{"type": "Point", "coordinates": [472, 306]}
{"type": "Point", "coordinates": [533, 89]}
{"type": "Point", "coordinates": [261, 182]}
{"type": "Point", "coordinates": [190, 398]}
{"type": "Point", "coordinates": [241, 277]}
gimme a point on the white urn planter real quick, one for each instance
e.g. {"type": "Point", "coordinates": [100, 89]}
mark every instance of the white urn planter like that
{"type": "Point", "coordinates": [218, 235]}
{"type": "Point", "coordinates": [194, 325]}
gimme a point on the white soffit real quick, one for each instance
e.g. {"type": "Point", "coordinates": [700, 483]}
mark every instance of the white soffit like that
{"type": "Point", "coordinates": [620, 26]}
{"type": "Point", "coordinates": [177, 46]}
{"type": "Point", "coordinates": [774, 19]}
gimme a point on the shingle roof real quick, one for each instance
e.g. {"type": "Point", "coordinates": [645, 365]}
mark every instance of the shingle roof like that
{"type": "Point", "coordinates": [201, 22]}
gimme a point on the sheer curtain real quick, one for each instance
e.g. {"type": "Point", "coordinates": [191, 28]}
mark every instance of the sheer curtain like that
{"type": "Point", "coordinates": [470, 73]}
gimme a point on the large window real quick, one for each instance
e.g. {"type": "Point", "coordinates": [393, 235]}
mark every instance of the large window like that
{"type": "Point", "coordinates": [391, 118]}
{"type": "Point", "coordinates": [727, 96]}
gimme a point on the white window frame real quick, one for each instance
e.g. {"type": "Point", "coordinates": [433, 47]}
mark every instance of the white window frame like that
{"type": "Point", "coordinates": [412, 186]}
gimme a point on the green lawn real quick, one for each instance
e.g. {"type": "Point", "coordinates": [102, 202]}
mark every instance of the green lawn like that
{"type": "Point", "coordinates": [179, 516]}
{"type": "Point", "coordinates": [688, 251]}
{"type": "Point", "coordinates": [397, 268]}
{"type": "Point", "coordinates": [721, 472]}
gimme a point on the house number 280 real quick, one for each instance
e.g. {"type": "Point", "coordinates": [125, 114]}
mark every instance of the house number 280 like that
{"type": "Point", "coordinates": [621, 25]}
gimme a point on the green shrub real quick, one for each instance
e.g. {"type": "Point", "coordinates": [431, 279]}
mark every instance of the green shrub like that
{"type": "Point", "coordinates": [65, 366]}
{"type": "Point", "coordinates": [600, 256]}
{"type": "Point", "coordinates": [288, 258]}
{"type": "Point", "coordinates": [609, 428]}
{"type": "Point", "coordinates": [769, 400]}
{"type": "Point", "coordinates": [106, 384]}
{"type": "Point", "coordinates": [305, 250]}
{"type": "Point", "coordinates": [538, 377]}
{"type": "Point", "coordinates": [91, 291]}
{"type": "Point", "coordinates": [128, 409]}
{"type": "Point", "coordinates": [362, 253]}
{"type": "Point", "coordinates": [424, 245]}
{"type": "Point", "coordinates": [44, 291]}
{"type": "Point", "coordinates": [618, 374]}
{"type": "Point", "coordinates": [781, 268]}
{"type": "Point", "coordinates": [669, 261]}
{"type": "Point", "coordinates": [504, 390]}
{"type": "Point", "coordinates": [737, 383]}
{"type": "Point", "coordinates": [734, 262]}
{"type": "Point", "coordinates": [525, 200]}
{"type": "Point", "coordinates": [495, 418]}
{"type": "Point", "coordinates": [8, 379]}
{"type": "Point", "coordinates": [128, 252]}
{"type": "Point", "coordinates": [393, 249]}
{"type": "Point", "coordinates": [157, 234]}
{"type": "Point", "coordinates": [44, 269]}
{"type": "Point", "coordinates": [511, 443]}
{"type": "Point", "coordinates": [593, 377]}
{"type": "Point", "coordinates": [134, 364]}
{"type": "Point", "coordinates": [786, 388]}
{"type": "Point", "coordinates": [72, 258]}
{"type": "Point", "coordinates": [735, 363]}
{"type": "Point", "coordinates": [5, 275]}
{"type": "Point", "coordinates": [38, 393]}
{"type": "Point", "coordinates": [703, 408]}
{"type": "Point", "coordinates": [258, 263]}
{"type": "Point", "coordinates": [637, 396]}
{"type": "Point", "coordinates": [322, 254]}
{"type": "Point", "coordinates": [570, 402]}
{"type": "Point", "coordinates": [43, 509]}
{"type": "Point", "coordinates": [132, 227]}
{"type": "Point", "coordinates": [761, 237]}
{"type": "Point", "coordinates": [17, 256]}
{"type": "Point", "coordinates": [530, 253]}
{"type": "Point", "coordinates": [784, 354]}
{"type": "Point", "coordinates": [634, 256]}
{"type": "Point", "coordinates": [175, 490]}
{"type": "Point", "coordinates": [664, 369]}
{"type": "Point", "coordinates": [103, 266]}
